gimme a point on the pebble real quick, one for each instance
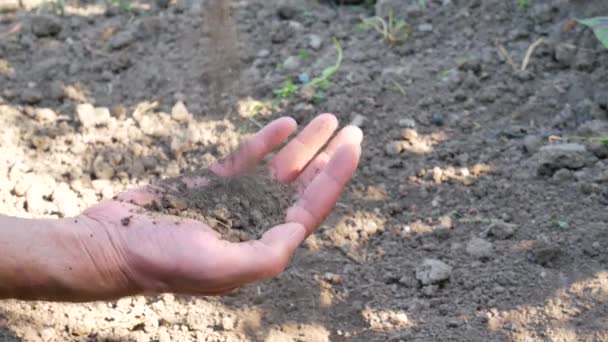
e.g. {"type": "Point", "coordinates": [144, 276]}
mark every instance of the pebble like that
{"type": "Point", "coordinates": [433, 271]}
{"type": "Point", "coordinates": [41, 187]}
{"type": "Point", "coordinates": [501, 230]}
{"type": "Point", "coordinates": [122, 39]}
{"type": "Point", "coordinates": [409, 134]}
{"type": "Point", "coordinates": [565, 53]}
{"type": "Point", "coordinates": [45, 25]}
{"type": "Point", "coordinates": [227, 323]}
{"type": "Point", "coordinates": [291, 63]}
{"type": "Point", "coordinates": [90, 116]}
{"type": "Point", "coordinates": [571, 156]}
{"type": "Point", "coordinates": [532, 143]}
{"type": "Point", "coordinates": [394, 147]}
{"type": "Point", "coordinates": [425, 27]}
{"type": "Point", "coordinates": [45, 115]}
{"type": "Point", "coordinates": [315, 42]}
{"type": "Point", "coordinates": [437, 175]}
{"type": "Point", "coordinates": [437, 119]}
{"type": "Point", "coordinates": [406, 123]}
{"type": "Point", "coordinates": [263, 53]}
{"type": "Point", "coordinates": [544, 253]}
{"type": "Point", "coordinates": [180, 113]}
{"type": "Point", "coordinates": [479, 248]}
{"type": "Point", "coordinates": [31, 96]}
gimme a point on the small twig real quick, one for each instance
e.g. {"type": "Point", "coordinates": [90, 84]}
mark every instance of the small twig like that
{"type": "Point", "coordinates": [531, 48]}
{"type": "Point", "coordinates": [505, 54]}
{"type": "Point", "coordinates": [399, 87]}
{"type": "Point", "coordinates": [255, 122]}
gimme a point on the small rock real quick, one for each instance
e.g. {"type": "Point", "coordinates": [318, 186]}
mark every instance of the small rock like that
{"type": "Point", "coordinates": [228, 323]}
{"type": "Point", "coordinates": [532, 143]}
{"type": "Point", "coordinates": [45, 115]}
{"type": "Point", "coordinates": [315, 42]}
{"type": "Point", "coordinates": [585, 60]}
{"type": "Point", "coordinates": [479, 248]}
{"type": "Point", "coordinates": [332, 278]}
{"type": "Point", "coordinates": [180, 113]}
{"type": "Point", "coordinates": [425, 27]}
{"type": "Point", "coordinates": [122, 39]}
{"type": "Point", "coordinates": [437, 119]}
{"type": "Point", "coordinates": [407, 123]}
{"type": "Point", "coordinates": [45, 25]}
{"type": "Point", "coordinates": [571, 156]}
{"type": "Point", "coordinates": [291, 63]}
{"type": "Point", "coordinates": [409, 134]}
{"type": "Point", "coordinates": [437, 175]}
{"type": "Point", "coordinates": [501, 230]}
{"type": "Point", "coordinates": [544, 253]}
{"type": "Point", "coordinates": [565, 53]}
{"type": "Point", "coordinates": [40, 188]}
{"type": "Point", "coordinates": [393, 148]}
{"type": "Point", "coordinates": [31, 96]}
{"type": "Point", "coordinates": [430, 290]}
{"type": "Point", "coordinates": [433, 271]}
{"type": "Point", "coordinates": [90, 116]}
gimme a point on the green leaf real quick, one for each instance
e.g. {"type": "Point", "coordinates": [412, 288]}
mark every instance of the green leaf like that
{"type": "Point", "coordinates": [599, 25]}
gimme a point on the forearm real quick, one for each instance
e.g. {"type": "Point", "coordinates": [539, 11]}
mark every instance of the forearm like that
{"type": "Point", "coordinates": [49, 260]}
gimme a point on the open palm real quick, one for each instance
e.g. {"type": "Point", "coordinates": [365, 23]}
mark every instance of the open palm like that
{"type": "Point", "coordinates": [154, 254]}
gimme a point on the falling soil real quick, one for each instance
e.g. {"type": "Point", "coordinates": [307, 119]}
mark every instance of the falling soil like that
{"type": "Point", "coordinates": [240, 208]}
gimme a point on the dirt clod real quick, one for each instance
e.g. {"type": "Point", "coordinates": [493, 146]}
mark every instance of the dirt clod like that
{"type": "Point", "coordinates": [239, 208]}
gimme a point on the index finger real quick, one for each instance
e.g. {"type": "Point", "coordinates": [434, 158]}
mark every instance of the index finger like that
{"type": "Point", "coordinates": [321, 195]}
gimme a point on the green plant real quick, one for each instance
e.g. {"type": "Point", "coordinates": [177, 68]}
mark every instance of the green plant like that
{"type": "Point", "coordinates": [599, 25]}
{"type": "Point", "coordinates": [304, 54]}
{"type": "Point", "coordinates": [124, 5]}
{"type": "Point", "coordinates": [288, 90]}
{"type": "Point", "coordinates": [523, 4]}
{"type": "Point", "coordinates": [323, 80]}
{"type": "Point", "coordinates": [393, 31]}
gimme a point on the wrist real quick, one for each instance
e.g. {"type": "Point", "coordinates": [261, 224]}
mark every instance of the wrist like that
{"type": "Point", "coordinates": [67, 260]}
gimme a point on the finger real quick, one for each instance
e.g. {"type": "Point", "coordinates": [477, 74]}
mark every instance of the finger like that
{"type": "Point", "coordinates": [292, 159]}
{"type": "Point", "coordinates": [348, 135]}
{"type": "Point", "coordinates": [141, 196]}
{"type": "Point", "coordinates": [255, 148]}
{"type": "Point", "coordinates": [320, 196]}
{"type": "Point", "coordinates": [262, 259]}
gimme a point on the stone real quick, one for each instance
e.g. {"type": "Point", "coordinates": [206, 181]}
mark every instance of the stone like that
{"type": "Point", "coordinates": [227, 323]}
{"type": "Point", "coordinates": [501, 230]}
{"type": "Point", "coordinates": [544, 253]}
{"type": "Point", "coordinates": [532, 143]}
{"type": "Point", "coordinates": [433, 271]}
{"type": "Point", "coordinates": [406, 123]}
{"type": "Point", "coordinates": [409, 134]}
{"type": "Point", "coordinates": [565, 53]}
{"type": "Point", "coordinates": [31, 96]}
{"type": "Point", "coordinates": [291, 63]}
{"type": "Point", "coordinates": [90, 116]}
{"type": "Point", "coordinates": [437, 175]}
{"type": "Point", "coordinates": [45, 25]}
{"type": "Point", "coordinates": [572, 156]}
{"type": "Point", "coordinates": [437, 119]}
{"type": "Point", "coordinates": [425, 27]}
{"type": "Point", "coordinates": [393, 148]}
{"type": "Point", "coordinates": [180, 113]}
{"type": "Point", "coordinates": [315, 42]}
{"type": "Point", "coordinates": [479, 248]}
{"type": "Point", "coordinates": [45, 115]}
{"type": "Point", "coordinates": [122, 39]}
{"type": "Point", "coordinates": [66, 200]}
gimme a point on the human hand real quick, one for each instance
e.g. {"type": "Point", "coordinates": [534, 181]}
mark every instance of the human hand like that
{"type": "Point", "coordinates": [169, 254]}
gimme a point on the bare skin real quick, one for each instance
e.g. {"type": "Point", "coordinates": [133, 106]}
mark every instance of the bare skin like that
{"type": "Point", "coordinates": [95, 257]}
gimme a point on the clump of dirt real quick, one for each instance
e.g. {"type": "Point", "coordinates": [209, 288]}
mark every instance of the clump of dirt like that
{"type": "Point", "coordinates": [240, 208]}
